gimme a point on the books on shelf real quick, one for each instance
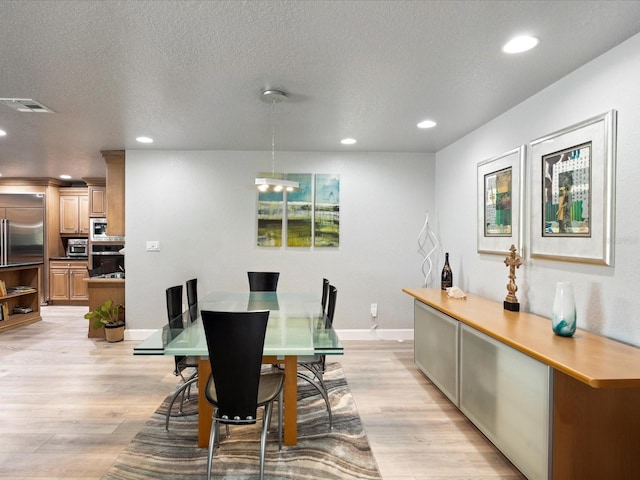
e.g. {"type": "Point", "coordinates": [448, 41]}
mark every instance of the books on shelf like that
{"type": "Point", "coordinates": [4, 311]}
{"type": "Point", "coordinates": [20, 289]}
{"type": "Point", "coordinates": [3, 288]}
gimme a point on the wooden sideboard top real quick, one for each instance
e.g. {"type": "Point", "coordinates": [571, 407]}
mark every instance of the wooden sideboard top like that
{"type": "Point", "coordinates": [595, 360]}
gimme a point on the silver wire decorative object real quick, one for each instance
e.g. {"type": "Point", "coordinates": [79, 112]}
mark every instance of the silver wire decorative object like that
{"type": "Point", "coordinates": [425, 237]}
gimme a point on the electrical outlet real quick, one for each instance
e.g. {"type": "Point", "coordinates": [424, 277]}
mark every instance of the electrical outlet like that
{"type": "Point", "coordinates": [374, 309]}
{"type": "Point", "coordinates": [153, 245]}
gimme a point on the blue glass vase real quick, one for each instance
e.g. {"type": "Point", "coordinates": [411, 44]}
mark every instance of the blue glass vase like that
{"type": "Point", "coordinates": [563, 321]}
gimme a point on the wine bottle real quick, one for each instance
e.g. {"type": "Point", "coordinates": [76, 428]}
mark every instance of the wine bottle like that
{"type": "Point", "coordinates": [446, 280]}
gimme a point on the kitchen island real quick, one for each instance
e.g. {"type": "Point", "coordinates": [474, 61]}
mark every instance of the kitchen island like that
{"type": "Point", "coordinates": [101, 289]}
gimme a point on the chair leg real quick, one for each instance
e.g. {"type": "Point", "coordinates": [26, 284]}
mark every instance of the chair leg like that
{"type": "Point", "coordinates": [280, 419]}
{"type": "Point", "coordinates": [212, 443]}
{"type": "Point", "coordinates": [177, 393]}
{"type": "Point", "coordinates": [323, 393]}
{"type": "Point", "coordinates": [263, 437]}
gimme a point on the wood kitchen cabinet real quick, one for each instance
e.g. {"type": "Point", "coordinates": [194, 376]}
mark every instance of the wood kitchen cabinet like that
{"type": "Point", "coordinates": [74, 211]}
{"type": "Point", "coordinates": [115, 160]}
{"type": "Point", "coordinates": [22, 284]}
{"type": "Point", "coordinates": [97, 201]}
{"type": "Point", "coordinates": [67, 282]}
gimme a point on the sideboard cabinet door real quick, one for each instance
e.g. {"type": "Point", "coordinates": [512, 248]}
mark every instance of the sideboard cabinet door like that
{"type": "Point", "coordinates": [505, 393]}
{"type": "Point", "coordinates": [436, 348]}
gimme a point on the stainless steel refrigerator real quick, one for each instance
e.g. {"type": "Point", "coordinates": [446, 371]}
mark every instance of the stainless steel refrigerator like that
{"type": "Point", "coordinates": [21, 228]}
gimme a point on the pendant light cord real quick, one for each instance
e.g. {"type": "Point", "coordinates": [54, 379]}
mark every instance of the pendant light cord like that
{"type": "Point", "coordinates": [273, 139]}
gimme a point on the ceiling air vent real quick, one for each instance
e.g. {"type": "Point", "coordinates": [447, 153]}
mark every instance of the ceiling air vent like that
{"type": "Point", "coordinates": [25, 105]}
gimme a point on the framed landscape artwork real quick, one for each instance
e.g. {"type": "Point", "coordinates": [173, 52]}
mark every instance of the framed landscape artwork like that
{"type": "Point", "coordinates": [572, 187]}
{"type": "Point", "coordinates": [299, 211]}
{"type": "Point", "coordinates": [500, 187]}
{"type": "Point", "coordinates": [327, 210]}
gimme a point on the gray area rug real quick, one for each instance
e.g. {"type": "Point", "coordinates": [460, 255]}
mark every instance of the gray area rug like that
{"type": "Point", "coordinates": [342, 453]}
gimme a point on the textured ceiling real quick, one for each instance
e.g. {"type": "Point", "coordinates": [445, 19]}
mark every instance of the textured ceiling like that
{"type": "Point", "coordinates": [189, 74]}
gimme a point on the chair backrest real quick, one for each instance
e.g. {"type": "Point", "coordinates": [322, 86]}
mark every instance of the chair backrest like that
{"type": "Point", "coordinates": [331, 306]}
{"type": "Point", "coordinates": [192, 298]}
{"type": "Point", "coordinates": [174, 307]}
{"type": "Point", "coordinates": [235, 341]}
{"type": "Point", "coordinates": [263, 281]}
{"type": "Point", "coordinates": [174, 317]}
{"type": "Point", "coordinates": [325, 294]}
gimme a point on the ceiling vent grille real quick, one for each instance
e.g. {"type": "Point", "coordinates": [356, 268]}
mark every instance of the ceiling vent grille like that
{"type": "Point", "coordinates": [25, 105]}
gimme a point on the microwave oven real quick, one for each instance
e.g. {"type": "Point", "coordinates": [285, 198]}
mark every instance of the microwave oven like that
{"type": "Point", "coordinates": [98, 231]}
{"type": "Point", "coordinates": [77, 247]}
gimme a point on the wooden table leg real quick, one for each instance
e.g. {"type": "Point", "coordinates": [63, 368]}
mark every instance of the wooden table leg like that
{"type": "Point", "coordinates": [290, 400]}
{"type": "Point", "coordinates": [205, 410]}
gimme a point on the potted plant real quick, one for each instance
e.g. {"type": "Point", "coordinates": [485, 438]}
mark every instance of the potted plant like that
{"type": "Point", "coordinates": [109, 316]}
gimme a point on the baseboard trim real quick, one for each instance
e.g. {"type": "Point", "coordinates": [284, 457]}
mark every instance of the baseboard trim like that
{"type": "Point", "coordinates": [138, 334]}
{"type": "Point", "coordinates": [376, 334]}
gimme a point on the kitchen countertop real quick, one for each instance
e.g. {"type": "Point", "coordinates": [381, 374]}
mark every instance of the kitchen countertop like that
{"type": "Point", "coordinates": [102, 280]}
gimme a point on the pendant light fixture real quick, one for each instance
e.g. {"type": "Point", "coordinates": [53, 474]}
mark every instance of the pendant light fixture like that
{"type": "Point", "coordinates": [274, 181]}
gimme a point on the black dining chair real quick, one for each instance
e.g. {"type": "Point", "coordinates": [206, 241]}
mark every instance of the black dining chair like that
{"type": "Point", "coordinates": [263, 281]}
{"type": "Point", "coordinates": [325, 294]}
{"type": "Point", "coordinates": [315, 364]}
{"type": "Point", "coordinates": [182, 363]}
{"type": "Point", "coordinates": [192, 298]}
{"type": "Point", "coordinates": [236, 387]}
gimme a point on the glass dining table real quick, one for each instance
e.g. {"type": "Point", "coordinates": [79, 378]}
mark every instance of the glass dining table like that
{"type": "Point", "coordinates": [296, 327]}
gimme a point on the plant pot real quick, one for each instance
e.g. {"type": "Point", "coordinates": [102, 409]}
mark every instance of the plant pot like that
{"type": "Point", "coordinates": [114, 333]}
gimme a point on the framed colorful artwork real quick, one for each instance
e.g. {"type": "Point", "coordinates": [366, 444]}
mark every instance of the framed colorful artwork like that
{"type": "Point", "coordinates": [500, 207]}
{"type": "Point", "coordinates": [572, 189]}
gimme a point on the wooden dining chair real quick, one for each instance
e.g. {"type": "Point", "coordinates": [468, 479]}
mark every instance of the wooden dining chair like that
{"type": "Point", "coordinates": [263, 281]}
{"type": "Point", "coordinates": [236, 387]}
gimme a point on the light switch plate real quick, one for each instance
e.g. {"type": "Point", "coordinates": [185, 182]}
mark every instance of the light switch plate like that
{"type": "Point", "coordinates": [153, 245]}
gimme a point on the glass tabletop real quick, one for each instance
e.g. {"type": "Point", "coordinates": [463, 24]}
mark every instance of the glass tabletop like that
{"type": "Point", "coordinates": [296, 326]}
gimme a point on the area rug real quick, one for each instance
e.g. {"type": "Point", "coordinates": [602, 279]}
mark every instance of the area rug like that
{"type": "Point", "coordinates": [340, 453]}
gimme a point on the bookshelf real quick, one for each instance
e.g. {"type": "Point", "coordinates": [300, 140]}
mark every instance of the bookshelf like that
{"type": "Point", "coordinates": [19, 293]}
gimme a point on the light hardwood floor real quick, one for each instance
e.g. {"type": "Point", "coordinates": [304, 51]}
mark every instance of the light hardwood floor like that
{"type": "Point", "coordinates": [69, 405]}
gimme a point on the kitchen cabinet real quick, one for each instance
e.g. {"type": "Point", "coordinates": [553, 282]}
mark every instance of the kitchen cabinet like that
{"type": "Point", "coordinates": [115, 160]}
{"type": "Point", "coordinates": [74, 211]}
{"type": "Point", "coordinates": [97, 201]}
{"type": "Point", "coordinates": [67, 283]}
{"type": "Point", "coordinates": [22, 284]}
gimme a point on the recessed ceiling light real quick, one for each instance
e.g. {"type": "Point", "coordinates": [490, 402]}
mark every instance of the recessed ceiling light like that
{"type": "Point", "coordinates": [64, 176]}
{"type": "Point", "coordinates": [520, 44]}
{"type": "Point", "coordinates": [2, 133]}
{"type": "Point", "coordinates": [144, 139]}
{"type": "Point", "coordinates": [427, 124]}
{"type": "Point", "coordinates": [348, 141]}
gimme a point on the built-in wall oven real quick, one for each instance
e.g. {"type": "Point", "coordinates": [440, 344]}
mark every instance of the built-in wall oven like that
{"type": "Point", "coordinates": [98, 231]}
{"type": "Point", "coordinates": [106, 257]}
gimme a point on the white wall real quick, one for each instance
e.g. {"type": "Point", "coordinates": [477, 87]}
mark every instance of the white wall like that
{"type": "Point", "coordinates": [201, 206]}
{"type": "Point", "coordinates": [607, 297]}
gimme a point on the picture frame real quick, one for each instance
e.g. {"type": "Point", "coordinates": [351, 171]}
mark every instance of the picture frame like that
{"type": "Point", "coordinates": [500, 207]}
{"type": "Point", "coordinates": [572, 188]}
